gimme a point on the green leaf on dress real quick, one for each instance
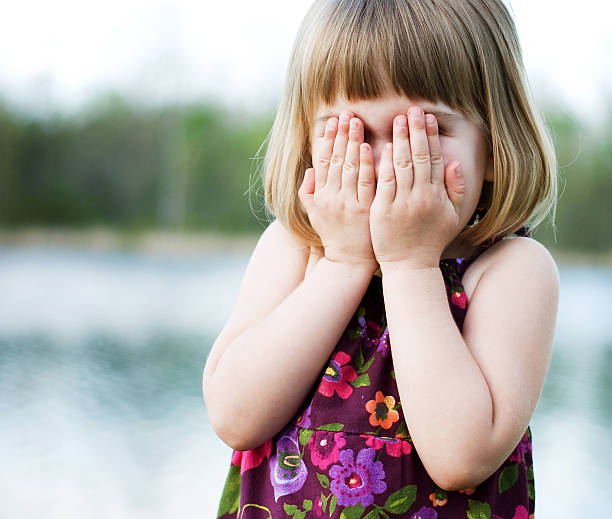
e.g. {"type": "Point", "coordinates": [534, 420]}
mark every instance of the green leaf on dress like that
{"type": "Point", "coordinates": [373, 515]}
{"type": "Point", "coordinates": [393, 374]}
{"type": "Point", "coordinates": [332, 505]}
{"type": "Point", "coordinates": [331, 427]}
{"type": "Point", "coordinates": [399, 502]}
{"type": "Point", "coordinates": [305, 435]}
{"type": "Point", "coordinates": [478, 510]}
{"type": "Point", "coordinates": [352, 512]}
{"type": "Point", "coordinates": [353, 333]}
{"type": "Point", "coordinates": [367, 365]}
{"type": "Point", "coordinates": [307, 505]}
{"type": "Point", "coordinates": [531, 490]}
{"type": "Point", "coordinates": [324, 480]}
{"type": "Point", "coordinates": [530, 473]}
{"type": "Point", "coordinates": [359, 359]}
{"type": "Point", "coordinates": [361, 380]}
{"type": "Point", "coordinates": [230, 497]}
{"type": "Point", "coordinates": [402, 429]}
{"type": "Point", "coordinates": [290, 509]}
{"type": "Point", "coordinates": [324, 501]}
{"type": "Point", "coordinates": [508, 478]}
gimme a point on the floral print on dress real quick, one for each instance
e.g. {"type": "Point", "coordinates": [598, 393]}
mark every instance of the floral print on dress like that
{"type": "Point", "coordinates": [357, 480]}
{"type": "Point", "coordinates": [382, 411]}
{"type": "Point", "coordinates": [287, 469]}
{"type": "Point", "coordinates": [348, 454]}
{"type": "Point", "coordinates": [337, 377]}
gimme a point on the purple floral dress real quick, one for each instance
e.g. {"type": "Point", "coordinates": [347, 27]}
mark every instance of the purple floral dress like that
{"type": "Point", "coordinates": [348, 453]}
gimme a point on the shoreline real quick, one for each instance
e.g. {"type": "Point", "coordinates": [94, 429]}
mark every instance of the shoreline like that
{"type": "Point", "coordinates": [178, 243]}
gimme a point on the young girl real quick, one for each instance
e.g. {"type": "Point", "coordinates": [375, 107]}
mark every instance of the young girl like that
{"type": "Point", "coordinates": [352, 379]}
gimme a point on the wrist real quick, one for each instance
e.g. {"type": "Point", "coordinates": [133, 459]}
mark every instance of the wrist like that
{"type": "Point", "coordinates": [408, 264]}
{"type": "Point", "coordinates": [365, 268]}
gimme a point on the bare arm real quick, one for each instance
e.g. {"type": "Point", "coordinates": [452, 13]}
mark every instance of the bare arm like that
{"type": "Point", "coordinates": [255, 381]}
{"type": "Point", "coordinates": [468, 399]}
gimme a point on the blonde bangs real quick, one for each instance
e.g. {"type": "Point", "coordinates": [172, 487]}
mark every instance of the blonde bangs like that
{"type": "Point", "coordinates": [463, 53]}
{"type": "Point", "coordinates": [361, 49]}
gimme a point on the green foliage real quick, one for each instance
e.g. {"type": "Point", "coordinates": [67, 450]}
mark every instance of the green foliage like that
{"type": "Point", "coordinates": [181, 167]}
{"type": "Point", "coordinates": [584, 156]}
{"type": "Point", "coordinates": [193, 167]}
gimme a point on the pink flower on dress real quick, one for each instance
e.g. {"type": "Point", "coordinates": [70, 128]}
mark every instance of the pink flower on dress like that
{"type": "Point", "coordinates": [395, 446]}
{"type": "Point", "coordinates": [459, 298]}
{"type": "Point", "coordinates": [325, 447]}
{"type": "Point", "coordinates": [337, 377]}
{"type": "Point", "coordinates": [252, 458]}
{"type": "Point", "coordinates": [318, 507]}
{"type": "Point", "coordinates": [521, 513]}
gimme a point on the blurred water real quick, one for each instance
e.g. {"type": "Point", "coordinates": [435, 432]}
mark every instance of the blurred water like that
{"type": "Point", "coordinates": [101, 414]}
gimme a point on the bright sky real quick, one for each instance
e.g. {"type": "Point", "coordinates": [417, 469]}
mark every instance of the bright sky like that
{"type": "Point", "coordinates": [60, 54]}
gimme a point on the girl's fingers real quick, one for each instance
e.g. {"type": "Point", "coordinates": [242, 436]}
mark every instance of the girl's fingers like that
{"type": "Point", "coordinates": [435, 151]}
{"type": "Point", "coordinates": [455, 184]}
{"type": "Point", "coordinates": [402, 159]}
{"type": "Point", "coordinates": [350, 169]}
{"type": "Point", "coordinates": [420, 147]}
{"type": "Point", "coordinates": [306, 191]}
{"type": "Point", "coordinates": [334, 176]}
{"type": "Point", "coordinates": [385, 188]}
{"type": "Point", "coordinates": [327, 144]}
{"type": "Point", "coordinates": [366, 186]}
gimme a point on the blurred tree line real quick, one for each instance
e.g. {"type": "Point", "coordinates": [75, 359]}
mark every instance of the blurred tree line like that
{"type": "Point", "coordinates": [194, 168]}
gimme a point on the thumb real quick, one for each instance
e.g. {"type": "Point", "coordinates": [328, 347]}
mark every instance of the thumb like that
{"type": "Point", "coordinates": [306, 191]}
{"type": "Point", "coordinates": [455, 184]}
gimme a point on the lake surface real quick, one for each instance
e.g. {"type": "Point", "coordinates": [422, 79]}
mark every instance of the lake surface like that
{"type": "Point", "coordinates": [102, 415]}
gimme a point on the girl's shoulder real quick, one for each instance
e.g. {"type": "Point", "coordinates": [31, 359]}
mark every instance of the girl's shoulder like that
{"type": "Point", "coordinates": [509, 257]}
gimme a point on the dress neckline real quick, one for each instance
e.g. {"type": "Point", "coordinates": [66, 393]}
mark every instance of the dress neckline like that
{"type": "Point", "coordinates": [463, 262]}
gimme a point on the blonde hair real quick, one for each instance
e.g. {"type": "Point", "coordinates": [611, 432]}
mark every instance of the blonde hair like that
{"type": "Point", "coordinates": [464, 53]}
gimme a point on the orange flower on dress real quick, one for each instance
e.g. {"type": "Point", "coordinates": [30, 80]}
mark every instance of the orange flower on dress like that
{"type": "Point", "coordinates": [382, 412]}
{"type": "Point", "coordinates": [468, 491]}
{"type": "Point", "coordinates": [438, 498]}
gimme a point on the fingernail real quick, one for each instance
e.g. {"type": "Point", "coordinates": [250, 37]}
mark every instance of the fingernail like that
{"type": "Point", "coordinates": [431, 119]}
{"type": "Point", "coordinates": [401, 121]}
{"type": "Point", "coordinates": [344, 118]}
{"type": "Point", "coordinates": [416, 113]}
{"type": "Point", "coordinates": [353, 124]}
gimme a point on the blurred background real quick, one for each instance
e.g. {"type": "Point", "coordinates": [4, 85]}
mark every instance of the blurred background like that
{"type": "Point", "coordinates": [130, 202]}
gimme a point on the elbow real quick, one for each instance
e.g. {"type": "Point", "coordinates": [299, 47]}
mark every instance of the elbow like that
{"type": "Point", "coordinates": [228, 430]}
{"type": "Point", "coordinates": [457, 474]}
{"type": "Point", "coordinates": [226, 427]}
{"type": "Point", "coordinates": [454, 482]}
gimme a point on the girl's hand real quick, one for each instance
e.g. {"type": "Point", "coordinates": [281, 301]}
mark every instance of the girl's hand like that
{"type": "Point", "coordinates": [415, 213]}
{"type": "Point", "coordinates": [338, 193]}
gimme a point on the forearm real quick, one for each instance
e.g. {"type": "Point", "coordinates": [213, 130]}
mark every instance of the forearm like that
{"type": "Point", "coordinates": [265, 373]}
{"type": "Point", "coordinates": [445, 398]}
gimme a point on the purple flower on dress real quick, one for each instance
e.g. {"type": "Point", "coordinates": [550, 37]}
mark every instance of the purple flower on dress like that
{"type": "Point", "coordinates": [519, 451]}
{"type": "Point", "coordinates": [304, 419]}
{"type": "Point", "coordinates": [287, 469]}
{"type": "Point", "coordinates": [325, 447]}
{"type": "Point", "coordinates": [425, 512]}
{"type": "Point", "coordinates": [356, 481]}
{"type": "Point", "coordinates": [383, 343]}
